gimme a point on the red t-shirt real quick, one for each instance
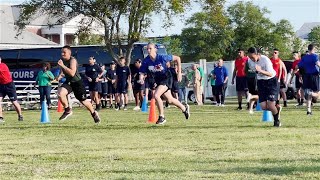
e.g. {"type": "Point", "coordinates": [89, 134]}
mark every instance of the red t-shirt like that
{"type": "Point", "coordinates": [276, 65]}
{"type": "Point", "coordinates": [5, 76]}
{"type": "Point", "coordinates": [240, 64]}
{"type": "Point", "coordinates": [294, 65]}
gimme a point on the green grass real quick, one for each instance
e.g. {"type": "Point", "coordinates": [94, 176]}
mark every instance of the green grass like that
{"type": "Point", "coordinates": [219, 143]}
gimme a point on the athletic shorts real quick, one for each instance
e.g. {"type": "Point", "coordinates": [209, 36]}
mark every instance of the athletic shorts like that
{"type": "Point", "coordinates": [175, 87]}
{"type": "Point", "coordinates": [165, 80]}
{"type": "Point", "coordinates": [111, 88]}
{"type": "Point", "coordinates": [282, 84]}
{"type": "Point", "coordinates": [252, 85]}
{"type": "Point", "coordinates": [138, 87]}
{"type": "Point", "coordinates": [150, 83]}
{"type": "Point", "coordinates": [93, 86]}
{"type": "Point", "coordinates": [268, 89]}
{"type": "Point", "coordinates": [298, 83]}
{"type": "Point", "coordinates": [122, 87]}
{"type": "Point", "coordinates": [311, 81]}
{"type": "Point", "coordinates": [104, 88]}
{"type": "Point", "coordinates": [77, 88]}
{"type": "Point", "coordinates": [241, 84]}
{"type": "Point", "coordinates": [8, 89]}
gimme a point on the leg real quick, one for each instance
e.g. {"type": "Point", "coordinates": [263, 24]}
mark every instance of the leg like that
{"type": "Point", "coordinates": [239, 93]}
{"type": "Point", "coordinates": [174, 101]}
{"type": "Point", "coordinates": [48, 93]}
{"type": "Point", "coordinates": [17, 107]}
{"type": "Point", "coordinates": [136, 97]}
{"type": "Point", "coordinates": [42, 94]}
{"type": "Point", "coordinates": [157, 95]}
{"type": "Point", "coordinates": [1, 114]}
{"type": "Point", "coordinates": [62, 95]}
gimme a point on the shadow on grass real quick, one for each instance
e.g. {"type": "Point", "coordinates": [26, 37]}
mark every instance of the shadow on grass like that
{"type": "Point", "coordinates": [266, 166]}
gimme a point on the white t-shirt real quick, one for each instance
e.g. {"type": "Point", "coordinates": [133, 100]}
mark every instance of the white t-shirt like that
{"type": "Point", "coordinates": [265, 64]}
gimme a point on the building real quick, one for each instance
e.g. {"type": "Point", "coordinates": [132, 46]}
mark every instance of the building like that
{"type": "Point", "coordinates": [43, 29]}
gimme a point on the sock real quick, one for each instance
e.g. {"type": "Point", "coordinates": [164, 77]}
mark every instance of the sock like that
{"type": "Point", "coordinates": [125, 105]}
{"type": "Point", "coordinates": [277, 102]}
{"type": "Point", "coordinates": [240, 104]}
{"type": "Point", "coordinates": [299, 101]}
{"type": "Point", "coordinates": [67, 109]}
{"type": "Point", "coordinates": [309, 109]}
{"type": "Point", "coordinates": [285, 103]}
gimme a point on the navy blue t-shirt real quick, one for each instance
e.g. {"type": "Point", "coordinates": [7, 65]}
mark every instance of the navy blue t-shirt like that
{"type": "Point", "coordinates": [157, 67]}
{"type": "Point", "coordinates": [309, 64]}
{"type": "Point", "coordinates": [221, 73]}
{"type": "Point", "coordinates": [111, 74]}
{"type": "Point", "coordinates": [135, 74]}
{"type": "Point", "coordinates": [123, 73]}
{"type": "Point", "coordinates": [93, 71]}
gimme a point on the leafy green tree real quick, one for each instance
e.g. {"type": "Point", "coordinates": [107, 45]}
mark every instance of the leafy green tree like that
{"type": "Point", "coordinates": [109, 14]}
{"type": "Point", "coordinates": [173, 45]}
{"type": "Point", "coordinates": [314, 35]}
{"type": "Point", "coordinates": [90, 39]}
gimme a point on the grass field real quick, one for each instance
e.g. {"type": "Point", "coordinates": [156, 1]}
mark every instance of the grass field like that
{"type": "Point", "coordinates": [219, 143]}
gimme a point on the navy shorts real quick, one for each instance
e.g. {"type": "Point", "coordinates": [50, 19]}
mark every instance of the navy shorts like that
{"type": "Point", "coordinates": [175, 87]}
{"type": "Point", "coordinates": [252, 85]}
{"type": "Point", "coordinates": [111, 88]}
{"type": "Point", "coordinates": [77, 88]}
{"type": "Point", "coordinates": [268, 89]}
{"type": "Point", "coordinates": [93, 86]}
{"type": "Point", "coordinates": [282, 84]}
{"type": "Point", "coordinates": [311, 81]}
{"type": "Point", "coordinates": [122, 87]}
{"type": "Point", "coordinates": [298, 83]}
{"type": "Point", "coordinates": [104, 88]}
{"type": "Point", "coordinates": [8, 89]}
{"type": "Point", "coordinates": [241, 84]}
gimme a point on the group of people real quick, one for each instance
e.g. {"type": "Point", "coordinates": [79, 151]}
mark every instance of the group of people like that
{"type": "Point", "coordinates": [263, 80]}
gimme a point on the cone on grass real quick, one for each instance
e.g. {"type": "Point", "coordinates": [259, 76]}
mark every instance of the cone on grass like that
{"type": "Point", "coordinates": [267, 116]}
{"type": "Point", "coordinates": [44, 113]}
{"type": "Point", "coordinates": [152, 114]}
{"type": "Point", "coordinates": [60, 107]}
{"type": "Point", "coordinates": [144, 107]}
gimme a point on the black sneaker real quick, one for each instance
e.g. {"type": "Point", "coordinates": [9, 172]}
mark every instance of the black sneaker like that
{"type": "Point", "coordinates": [20, 118]}
{"type": "Point", "coordinates": [277, 123]}
{"type": "Point", "coordinates": [309, 113]}
{"type": "Point", "coordinates": [96, 117]}
{"type": "Point", "coordinates": [1, 120]}
{"type": "Point", "coordinates": [125, 108]}
{"type": "Point", "coordinates": [161, 120]}
{"type": "Point", "coordinates": [239, 108]}
{"type": "Point", "coordinates": [65, 115]}
{"type": "Point", "coordinates": [187, 111]}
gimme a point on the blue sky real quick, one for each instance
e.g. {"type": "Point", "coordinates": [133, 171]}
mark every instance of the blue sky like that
{"type": "Point", "coordinates": [296, 11]}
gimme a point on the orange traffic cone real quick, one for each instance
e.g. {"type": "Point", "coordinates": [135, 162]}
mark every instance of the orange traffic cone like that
{"type": "Point", "coordinates": [60, 107]}
{"type": "Point", "coordinates": [152, 112]}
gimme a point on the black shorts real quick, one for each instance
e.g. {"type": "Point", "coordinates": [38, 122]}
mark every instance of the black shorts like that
{"type": "Point", "coordinates": [241, 84]}
{"type": "Point", "coordinates": [77, 88]}
{"type": "Point", "coordinates": [10, 90]}
{"type": "Point", "coordinates": [104, 88]}
{"type": "Point", "coordinates": [175, 87]}
{"type": "Point", "coordinates": [165, 80]}
{"type": "Point", "coordinates": [311, 81]}
{"type": "Point", "coordinates": [298, 83]}
{"type": "Point", "coordinates": [252, 85]}
{"type": "Point", "coordinates": [111, 88]}
{"type": "Point", "coordinates": [138, 87]}
{"type": "Point", "coordinates": [268, 89]}
{"type": "Point", "coordinates": [282, 84]}
{"type": "Point", "coordinates": [93, 86]}
{"type": "Point", "coordinates": [122, 87]}
{"type": "Point", "coordinates": [150, 83]}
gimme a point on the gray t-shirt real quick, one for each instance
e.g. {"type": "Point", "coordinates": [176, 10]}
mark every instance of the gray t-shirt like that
{"type": "Point", "coordinates": [265, 64]}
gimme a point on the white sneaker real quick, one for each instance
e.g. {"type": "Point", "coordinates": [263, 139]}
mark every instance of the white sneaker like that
{"type": "Point", "coordinates": [218, 104]}
{"type": "Point", "coordinates": [137, 108]}
{"type": "Point", "coordinates": [249, 98]}
{"type": "Point", "coordinates": [222, 105]}
{"type": "Point", "coordinates": [251, 111]}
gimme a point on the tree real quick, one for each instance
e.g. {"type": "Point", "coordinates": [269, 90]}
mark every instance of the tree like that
{"type": "Point", "coordinates": [209, 34]}
{"type": "Point", "coordinates": [173, 45]}
{"type": "Point", "coordinates": [250, 25]}
{"type": "Point", "coordinates": [109, 14]}
{"type": "Point", "coordinates": [314, 35]}
{"type": "Point", "coordinates": [90, 39]}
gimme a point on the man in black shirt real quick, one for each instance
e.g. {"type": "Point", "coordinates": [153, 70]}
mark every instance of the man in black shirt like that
{"type": "Point", "coordinates": [93, 74]}
{"type": "Point", "coordinates": [138, 88]}
{"type": "Point", "coordinates": [123, 78]}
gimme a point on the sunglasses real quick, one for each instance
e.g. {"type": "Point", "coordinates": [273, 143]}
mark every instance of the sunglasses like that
{"type": "Point", "coordinates": [275, 52]}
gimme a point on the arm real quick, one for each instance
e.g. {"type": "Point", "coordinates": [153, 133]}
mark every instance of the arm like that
{"type": "Point", "coordinates": [50, 75]}
{"type": "Point", "coordinates": [284, 70]}
{"type": "Point", "coordinates": [178, 60]}
{"type": "Point", "coordinates": [233, 75]}
{"type": "Point", "coordinates": [61, 75]}
{"type": "Point", "coordinates": [225, 75]}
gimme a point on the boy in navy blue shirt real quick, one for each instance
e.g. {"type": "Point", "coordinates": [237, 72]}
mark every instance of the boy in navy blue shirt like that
{"type": "Point", "coordinates": [123, 78]}
{"type": "Point", "coordinates": [155, 64]}
{"type": "Point", "coordinates": [111, 78]}
{"type": "Point", "coordinates": [221, 76]}
{"type": "Point", "coordinates": [309, 65]}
